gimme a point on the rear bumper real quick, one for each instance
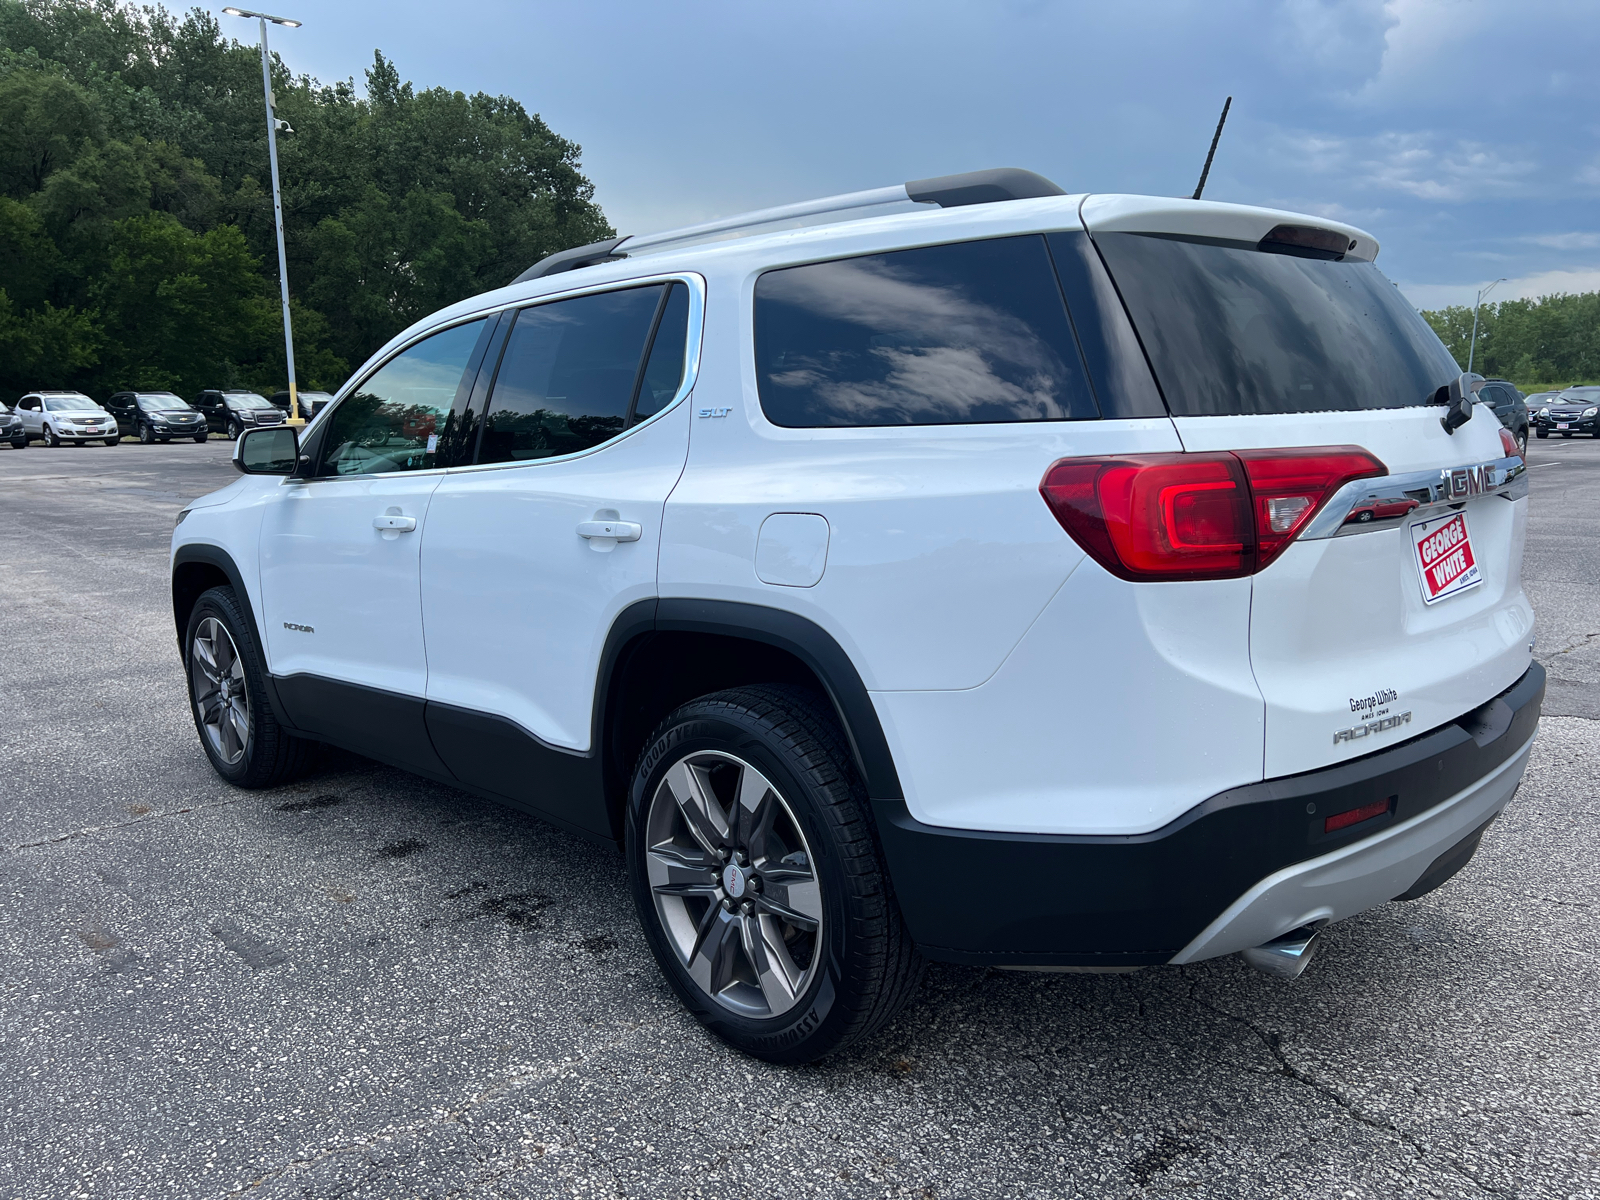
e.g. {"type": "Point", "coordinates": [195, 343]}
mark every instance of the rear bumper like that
{"type": "Point", "coordinates": [1235, 871]}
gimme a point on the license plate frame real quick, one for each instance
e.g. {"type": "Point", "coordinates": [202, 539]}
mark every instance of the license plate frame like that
{"type": "Point", "coordinates": [1447, 564]}
{"type": "Point", "coordinates": [1563, 425]}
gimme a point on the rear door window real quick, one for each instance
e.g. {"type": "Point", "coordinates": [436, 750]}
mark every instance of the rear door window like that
{"type": "Point", "coordinates": [569, 373]}
{"type": "Point", "coordinates": [1232, 329]}
{"type": "Point", "coordinates": [969, 333]}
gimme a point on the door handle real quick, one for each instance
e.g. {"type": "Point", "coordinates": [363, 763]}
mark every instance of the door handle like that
{"type": "Point", "coordinates": [617, 531]}
{"type": "Point", "coordinates": [391, 524]}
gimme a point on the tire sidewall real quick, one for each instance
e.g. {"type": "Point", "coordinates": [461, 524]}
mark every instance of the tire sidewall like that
{"type": "Point", "coordinates": [808, 1029]}
{"type": "Point", "coordinates": [220, 603]}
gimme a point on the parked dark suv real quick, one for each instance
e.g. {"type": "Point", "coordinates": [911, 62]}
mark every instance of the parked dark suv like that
{"type": "Point", "coordinates": [155, 417]}
{"type": "Point", "coordinates": [310, 402]}
{"type": "Point", "coordinates": [1509, 405]}
{"type": "Point", "coordinates": [233, 410]}
{"type": "Point", "coordinates": [11, 428]}
{"type": "Point", "coordinates": [1575, 410]}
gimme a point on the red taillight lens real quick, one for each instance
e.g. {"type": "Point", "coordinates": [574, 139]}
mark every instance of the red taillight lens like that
{"type": "Point", "coordinates": [1197, 516]}
{"type": "Point", "coordinates": [1509, 443]}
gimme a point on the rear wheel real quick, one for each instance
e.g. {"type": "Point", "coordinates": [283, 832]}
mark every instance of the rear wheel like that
{"type": "Point", "coordinates": [227, 698]}
{"type": "Point", "coordinates": [758, 878]}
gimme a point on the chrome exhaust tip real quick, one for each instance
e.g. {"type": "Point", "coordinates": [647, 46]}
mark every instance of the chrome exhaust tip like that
{"type": "Point", "coordinates": [1285, 957]}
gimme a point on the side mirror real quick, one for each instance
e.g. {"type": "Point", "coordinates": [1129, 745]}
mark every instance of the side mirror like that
{"type": "Point", "coordinates": [274, 451]}
{"type": "Point", "coordinates": [1458, 405]}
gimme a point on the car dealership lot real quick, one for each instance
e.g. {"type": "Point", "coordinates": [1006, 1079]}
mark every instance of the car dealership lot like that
{"type": "Point", "coordinates": [371, 985]}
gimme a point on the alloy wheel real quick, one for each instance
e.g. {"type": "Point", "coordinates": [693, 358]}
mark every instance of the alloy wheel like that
{"type": "Point", "coordinates": [217, 675]}
{"type": "Point", "coordinates": [734, 884]}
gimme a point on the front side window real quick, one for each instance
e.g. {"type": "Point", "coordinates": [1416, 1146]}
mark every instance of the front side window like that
{"type": "Point", "coordinates": [569, 374]}
{"type": "Point", "coordinates": [969, 333]}
{"type": "Point", "coordinates": [392, 421]}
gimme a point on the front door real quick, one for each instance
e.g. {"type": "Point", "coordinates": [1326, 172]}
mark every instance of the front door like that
{"type": "Point", "coordinates": [585, 433]}
{"type": "Point", "coordinates": [339, 558]}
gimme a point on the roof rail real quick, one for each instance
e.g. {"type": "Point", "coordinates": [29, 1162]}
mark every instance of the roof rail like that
{"type": "Point", "coordinates": [947, 191]}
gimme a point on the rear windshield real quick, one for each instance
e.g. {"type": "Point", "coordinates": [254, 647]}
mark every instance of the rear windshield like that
{"type": "Point", "coordinates": [1232, 329]}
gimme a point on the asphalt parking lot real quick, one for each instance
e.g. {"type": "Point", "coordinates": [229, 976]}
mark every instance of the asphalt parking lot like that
{"type": "Point", "coordinates": [367, 985]}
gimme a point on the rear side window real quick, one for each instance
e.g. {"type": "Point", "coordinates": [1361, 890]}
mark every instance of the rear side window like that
{"type": "Point", "coordinates": [568, 374]}
{"type": "Point", "coordinates": [663, 372]}
{"type": "Point", "coordinates": [1233, 329]}
{"type": "Point", "coordinates": [969, 333]}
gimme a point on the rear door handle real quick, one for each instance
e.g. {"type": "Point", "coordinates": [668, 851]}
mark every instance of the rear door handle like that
{"type": "Point", "coordinates": [619, 531]}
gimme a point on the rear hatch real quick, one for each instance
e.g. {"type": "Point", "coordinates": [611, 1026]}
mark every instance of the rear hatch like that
{"type": "Point", "coordinates": [1399, 605]}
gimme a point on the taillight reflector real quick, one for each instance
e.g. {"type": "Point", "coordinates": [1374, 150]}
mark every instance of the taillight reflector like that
{"type": "Point", "coordinates": [1197, 516]}
{"type": "Point", "coordinates": [1357, 815]}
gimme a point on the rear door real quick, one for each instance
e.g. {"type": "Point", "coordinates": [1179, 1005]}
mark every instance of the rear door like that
{"type": "Point", "coordinates": [1408, 609]}
{"type": "Point", "coordinates": [583, 436]}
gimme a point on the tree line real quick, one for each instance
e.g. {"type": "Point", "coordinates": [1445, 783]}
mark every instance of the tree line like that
{"type": "Point", "coordinates": [137, 247]}
{"type": "Point", "coordinates": [1553, 341]}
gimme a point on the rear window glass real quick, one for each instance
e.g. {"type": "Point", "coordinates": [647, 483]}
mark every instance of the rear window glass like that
{"type": "Point", "coordinates": [1233, 330]}
{"type": "Point", "coordinates": [970, 333]}
{"type": "Point", "coordinates": [567, 376]}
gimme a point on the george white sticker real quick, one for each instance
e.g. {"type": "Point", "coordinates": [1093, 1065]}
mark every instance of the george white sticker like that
{"type": "Point", "coordinates": [1444, 557]}
{"type": "Point", "coordinates": [433, 443]}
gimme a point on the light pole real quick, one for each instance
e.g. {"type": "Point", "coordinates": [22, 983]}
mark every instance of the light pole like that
{"type": "Point", "coordinates": [277, 196]}
{"type": "Point", "coordinates": [1471, 346]}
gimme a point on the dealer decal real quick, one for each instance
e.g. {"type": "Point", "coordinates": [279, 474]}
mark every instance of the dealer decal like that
{"type": "Point", "coordinates": [1444, 557]}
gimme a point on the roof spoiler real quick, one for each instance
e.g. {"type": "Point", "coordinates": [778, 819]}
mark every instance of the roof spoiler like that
{"type": "Point", "coordinates": [947, 191]}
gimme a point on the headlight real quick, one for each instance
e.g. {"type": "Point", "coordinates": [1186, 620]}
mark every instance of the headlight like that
{"type": "Point", "coordinates": [1589, 412]}
{"type": "Point", "coordinates": [1544, 412]}
{"type": "Point", "coordinates": [181, 515]}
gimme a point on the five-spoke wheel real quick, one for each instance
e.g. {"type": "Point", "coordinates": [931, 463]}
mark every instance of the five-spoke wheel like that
{"type": "Point", "coordinates": [733, 882]}
{"type": "Point", "coordinates": [221, 701]}
{"type": "Point", "coordinates": [758, 877]}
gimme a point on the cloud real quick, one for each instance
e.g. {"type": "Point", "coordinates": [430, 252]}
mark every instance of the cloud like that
{"type": "Point", "coordinates": [1421, 164]}
{"type": "Point", "coordinates": [1566, 241]}
{"type": "Point", "coordinates": [1428, 296]}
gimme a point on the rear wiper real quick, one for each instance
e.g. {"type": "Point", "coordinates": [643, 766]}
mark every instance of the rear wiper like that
{"type": "Point", "coordinates": [1457, 397]}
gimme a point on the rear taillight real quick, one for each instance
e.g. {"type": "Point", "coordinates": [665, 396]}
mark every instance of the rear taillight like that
{"type": "Point", "coordinates": [1197, 516]}
{"type": "Point", "coordinates": [1509, 443]}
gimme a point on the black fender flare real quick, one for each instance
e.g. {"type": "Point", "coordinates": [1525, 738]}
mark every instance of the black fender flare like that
{"type": "Point", "coordinates": [806, 640]}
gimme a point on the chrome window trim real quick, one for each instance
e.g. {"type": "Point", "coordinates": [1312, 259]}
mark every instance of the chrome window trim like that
{"type": "Point", "coordinates": [697, 302]}
{"type": "Point", "coordinates": [1443, 487]}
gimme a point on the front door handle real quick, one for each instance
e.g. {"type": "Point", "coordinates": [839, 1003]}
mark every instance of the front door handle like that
{"type": "Point", "coordinates": [617, 531]}
{"type": "Point", "coordinates": [392, 524]}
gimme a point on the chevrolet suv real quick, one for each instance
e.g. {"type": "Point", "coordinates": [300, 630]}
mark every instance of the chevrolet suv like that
{"type": "Point", "coordinates": [156, 416]}
{"type": "Point", "coordinates": [65, 418]}
{"type": "Point", "coordinates": [976, 573]}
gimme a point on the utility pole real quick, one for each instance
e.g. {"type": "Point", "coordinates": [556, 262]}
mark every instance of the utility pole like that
{"type": "Point", "coordinates": [1212, 153]}
{"type": "Point", "coordinates": [277, 195]}
{"type": "Point", "coordinates": [1472, 346]}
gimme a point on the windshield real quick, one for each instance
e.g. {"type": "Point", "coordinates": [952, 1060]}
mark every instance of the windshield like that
{"type": "Point", "coordinates": [1233, 330]}
{"type": "Point", "coordinates": [161, 402]}
{"type": "Point", "coordinates": [70, 404]}
{"type": "Point", "coordinates": [1578, 396]}
{"type": "Point", "coordinates": [248, 400]}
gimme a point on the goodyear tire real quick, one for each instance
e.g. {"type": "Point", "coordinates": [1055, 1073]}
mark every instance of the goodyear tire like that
{"type": "Point", "coordinates": [758, 878]}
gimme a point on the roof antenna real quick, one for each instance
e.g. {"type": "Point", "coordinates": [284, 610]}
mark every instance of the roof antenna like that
{"type": "Point", "coordinates": [1212, 153]}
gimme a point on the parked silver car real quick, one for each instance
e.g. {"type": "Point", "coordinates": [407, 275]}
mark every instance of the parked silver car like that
{"type": "Point", "coordinates": [58, 417]}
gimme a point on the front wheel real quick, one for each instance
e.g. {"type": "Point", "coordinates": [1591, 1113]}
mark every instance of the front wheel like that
{"type": "Point", "coordinates": [50, 438]}
{"type": "Point", "coordinates": [19, 443]}
{"type": "Point", "coordinates": [1543, 433]}
{"type": "Point", "coordinates": [200, 439]}
{"type": "Point", "coordinates": [1522, 443]}
{"type": "Point", "coordinates": [227, 697]}
{"type": "Point", "coordinates": [234, 431]}
{"type": "Point", "coordinates": [758, 878]}
{"type": "Point", "coordinates": [147, 436]}
{"type": "Point", "coordinates": [113, 441]}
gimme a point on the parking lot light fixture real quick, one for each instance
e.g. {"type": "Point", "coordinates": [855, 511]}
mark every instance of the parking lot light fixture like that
{"type": "Point", "coordinates": [1473, 345]}
{"type": "Point", "coordinates": [277, 195]}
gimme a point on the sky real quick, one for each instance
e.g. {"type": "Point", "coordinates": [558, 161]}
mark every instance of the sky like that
{"type": "Point", "coordinates": [1463, 134]}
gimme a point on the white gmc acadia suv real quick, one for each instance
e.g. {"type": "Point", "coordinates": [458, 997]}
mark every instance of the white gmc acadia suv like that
{"type": "Point", "coordinates": [977, 573]}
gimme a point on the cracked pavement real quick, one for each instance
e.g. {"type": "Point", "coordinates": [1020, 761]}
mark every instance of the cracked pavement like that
{"type": "Point", "coordinates": [368, 985]}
